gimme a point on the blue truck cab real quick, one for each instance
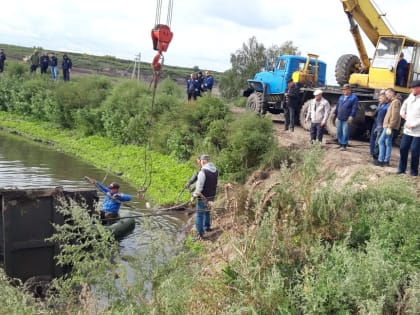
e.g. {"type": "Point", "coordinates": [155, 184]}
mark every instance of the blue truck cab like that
{"type": "Point", "coordinates": [266, 90]}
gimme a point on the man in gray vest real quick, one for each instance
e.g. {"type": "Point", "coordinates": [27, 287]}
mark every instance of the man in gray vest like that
{"type": "Point", "coordinates": [205, 191]}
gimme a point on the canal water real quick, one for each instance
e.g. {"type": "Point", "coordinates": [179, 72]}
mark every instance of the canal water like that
{"type": "Point", "coordinates": [28, 164]}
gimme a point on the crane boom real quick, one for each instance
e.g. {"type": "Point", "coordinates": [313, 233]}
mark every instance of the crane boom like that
{"type": "Point", "coordinates": [372, 23]}
{"type": "Point", "coordinates": [368, 18]}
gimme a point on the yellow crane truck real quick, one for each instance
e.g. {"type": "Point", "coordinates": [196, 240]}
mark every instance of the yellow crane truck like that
{"type": "Point", "coordinates": [369, 75]}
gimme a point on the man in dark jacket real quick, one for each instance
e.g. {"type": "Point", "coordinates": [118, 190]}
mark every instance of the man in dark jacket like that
{"type": "Point", "coordinates": [54, 64]}
{"type": "Point", "coordinates": [205, 192]}
{"type": "Point", "coordinates": [208, 82]}
{"type": "Point", "coordinates": [402, 70]}
{"type": "Point", "coordinates": [2, 59]}
{"type": "Point", "coordinates": [291, 105]}
{"type": "Point", "coordinates": [66, 66]}
{"type": "Point", "coordinates": [44, 62]}
{"type": "Point", "coordinates": [345, 111]}
{"type": "Point", "coordinates": [34, 59]}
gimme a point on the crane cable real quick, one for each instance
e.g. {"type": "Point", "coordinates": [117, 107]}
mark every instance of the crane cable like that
{"type": "Point", "coordinates": [159, 10]}
{"type": "Point", "coordinates": [161, 37]}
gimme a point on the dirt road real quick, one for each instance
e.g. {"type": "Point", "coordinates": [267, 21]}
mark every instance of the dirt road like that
{"type": "Point", "coordinates": [344, 163]}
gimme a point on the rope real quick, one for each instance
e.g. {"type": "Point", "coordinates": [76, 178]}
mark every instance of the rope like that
{"type": "Point", "coordinates": [157, 68]}
{"type": "Point", "coordinates": [169, 16]}
{"type": "Point", "coordinates": [158, 11]}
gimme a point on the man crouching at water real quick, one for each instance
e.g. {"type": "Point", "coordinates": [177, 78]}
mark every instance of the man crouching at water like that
{"type": "Point", "coordinates": [205, 191]}
{"type": "Point", "coordinates": [112, 200]}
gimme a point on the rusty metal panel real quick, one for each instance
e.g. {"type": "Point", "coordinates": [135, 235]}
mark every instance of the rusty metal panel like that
{"type": "Point", "coordinates": [26, 217]}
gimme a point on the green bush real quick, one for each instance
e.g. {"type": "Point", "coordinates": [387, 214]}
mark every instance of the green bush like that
{"type": "Point", "coordinates": [129, 103]}
{"type": "Point", "coordinates": [249, 138]}
{"type": "Point", "coordinates": [79, 101]}
{"type": "Point", "coordinates": [16, 69]}
{"type": "Point", "coordinates": [7, 88]}
{"type": "Point", "coordinates": [14, 300]}
{"type": "Point", "coordinates": [206, 110]}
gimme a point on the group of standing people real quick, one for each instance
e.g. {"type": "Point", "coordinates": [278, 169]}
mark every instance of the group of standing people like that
{"type": "Point", "coordinates": [50, 60]}
{"type": "Point", "coordinates": [197, 83]}
{"type": "Point", "coordinates": [386, 125]}
{"type": "Point", "coordinates": [387, 120]}
{"type": "Point", "coordinates": [389, 115]}
{"type": "Point", "coordinates": [344, 113]}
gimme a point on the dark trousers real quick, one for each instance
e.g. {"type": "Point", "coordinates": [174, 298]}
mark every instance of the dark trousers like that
{"type": "Point", "coordinates": [44, 68]}
{"type": "Point", "coordinates": [33, 68]}
{"type": "Point", "coordinates": [191, 96]}
{"type": "Point", "coordinates": [66, 74]}
{"type": "Point", "coordinates": [409, 143]}
{"type": "Point", "coordinates": [317, 132]}
{"type": "Point", "coordinates": [1, 66]}
{"type": "Point", "coordinates": [374, 141]}
{"type": "Point", "coordinates": [107, 217]}
{"type": "Point", "coordinates": [289, 116]}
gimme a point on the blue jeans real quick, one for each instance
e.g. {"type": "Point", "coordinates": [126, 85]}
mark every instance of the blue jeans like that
{"type": "Point", "coordinates": [54, 73]}
{"type": "Point", "coordinates": [343, 132]}
{"type": "Point", "coordinates": [407, 143]}
{"type": "Point", "coordinates": [202, 219]}
{"type": "Point", "coordinates": [385, 146]}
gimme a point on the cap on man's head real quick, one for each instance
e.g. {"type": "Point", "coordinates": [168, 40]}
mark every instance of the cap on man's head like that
{"type": "Point", "coordinates": [415, 83]}
{"type": "Point", "coordinates": [317, 92]}
{"type": "Point", "coordinates": [114, 185]}
{"type": "Point", "coordinates": [204, 157]}
{"type": "Point", "coordinates": [346, 86]}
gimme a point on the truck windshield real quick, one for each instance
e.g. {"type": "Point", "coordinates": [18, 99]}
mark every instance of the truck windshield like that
{"type": "Point", "coordinates": [387, 52]}
{"type": "Point", "coordinates": [281, 65]}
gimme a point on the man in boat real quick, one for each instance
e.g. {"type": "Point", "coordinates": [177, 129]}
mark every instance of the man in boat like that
{"type": "Point", "coordinates": [205, 192]}
{"type": "Point", "coordinates": [112, 200]}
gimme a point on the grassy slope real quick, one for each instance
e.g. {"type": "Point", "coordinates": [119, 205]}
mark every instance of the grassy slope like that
{"type": "Point", "coordinates": [101, 64]}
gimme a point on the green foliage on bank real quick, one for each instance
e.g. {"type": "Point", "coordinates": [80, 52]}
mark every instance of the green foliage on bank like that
{"type": "Point", "coordinates": [169, 175]}
{"type": "Point", "coordinates": [306, 246]}
{"type": "Point", "coordinates": [151, 136]}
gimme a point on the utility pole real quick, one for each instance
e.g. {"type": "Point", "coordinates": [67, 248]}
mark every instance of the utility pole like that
{"type": "Point", "coordinates": [136, 68]}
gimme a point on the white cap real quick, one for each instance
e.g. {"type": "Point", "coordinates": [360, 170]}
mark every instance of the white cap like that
{"type": "Point", "coordinates": [317, 92]}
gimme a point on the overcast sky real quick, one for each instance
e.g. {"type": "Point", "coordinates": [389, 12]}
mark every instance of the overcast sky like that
{"type": "Point", "coordinates": [206, 33]}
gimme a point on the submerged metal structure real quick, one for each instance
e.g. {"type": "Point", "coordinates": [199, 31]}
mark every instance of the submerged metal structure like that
{"type": "Point", "coordinates": [26, 217]}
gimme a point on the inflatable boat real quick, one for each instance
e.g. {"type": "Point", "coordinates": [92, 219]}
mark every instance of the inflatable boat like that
{"type": "Point", "coordinates": [122, 226]}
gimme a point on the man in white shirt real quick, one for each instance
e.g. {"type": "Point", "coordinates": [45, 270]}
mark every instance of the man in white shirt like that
{"type": "Point", "coordinates": [410, 111]}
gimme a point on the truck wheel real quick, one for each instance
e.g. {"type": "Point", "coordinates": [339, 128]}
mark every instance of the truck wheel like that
{"type": "Point", "coordinates": [346, 65]}
{"type": "Point", "coordinates": [332, 128]}
{"type": "Point", "coordinates": [254, 102]}
{"type": "Point", "coordinates": [330, 124]}
{"type": "Point", "coordinates": [302, 116]}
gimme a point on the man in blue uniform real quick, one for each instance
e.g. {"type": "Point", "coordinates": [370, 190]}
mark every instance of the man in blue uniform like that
{"type": "Point", "coordinates": [112, 200]}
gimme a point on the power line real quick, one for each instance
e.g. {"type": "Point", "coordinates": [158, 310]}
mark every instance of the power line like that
{"type": "Point", "coordinates": [136, 67]}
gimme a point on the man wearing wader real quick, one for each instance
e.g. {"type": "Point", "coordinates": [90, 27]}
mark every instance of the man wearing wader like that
{"type": "Point", "coordinates": [112, 200]}
{"type": "Point", "coordinates": [205, 191]}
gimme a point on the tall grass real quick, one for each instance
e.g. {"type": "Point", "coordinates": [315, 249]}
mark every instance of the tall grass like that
{"type": "Point", "coordinates": [308, 247]}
